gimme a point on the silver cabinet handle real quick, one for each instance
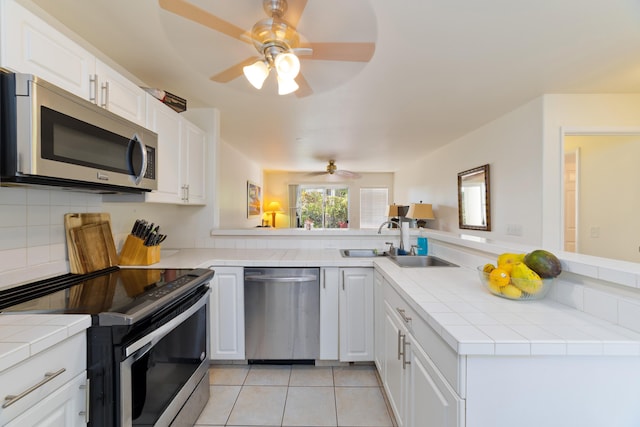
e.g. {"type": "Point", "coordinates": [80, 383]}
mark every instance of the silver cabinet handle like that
{"type": "Point", "coordinates": [402, 314]}
{"type": "Point", "coordinates": [399, 344]}
{"type": "Point", "coordinates": [405, 362]}
{"type": "Point", "coordinates": [11, 399]}
{"type": "Point", "coordinates": [87, 395]}
{"type": "Point", "coordinates": [104, 92]}
{"type": "Point", "coordinates": [93, 88]}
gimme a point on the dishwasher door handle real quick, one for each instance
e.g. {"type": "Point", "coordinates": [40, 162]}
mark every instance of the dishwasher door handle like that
{"type": "Point", "coordinates": [287, 279]}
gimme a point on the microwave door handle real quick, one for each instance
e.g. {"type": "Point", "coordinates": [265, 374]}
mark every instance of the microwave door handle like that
{"type": "Point", "coordinates": [143, 150]}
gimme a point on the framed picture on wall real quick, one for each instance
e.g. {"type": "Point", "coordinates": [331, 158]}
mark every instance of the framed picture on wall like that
{"type": "Point", "coordinates": [254, 199]}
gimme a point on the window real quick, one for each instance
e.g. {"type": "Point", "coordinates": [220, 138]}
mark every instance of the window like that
{"type": "Point", "coordinates": [323, 207]}
{"type": "Point", "coordinates": [373, 206]}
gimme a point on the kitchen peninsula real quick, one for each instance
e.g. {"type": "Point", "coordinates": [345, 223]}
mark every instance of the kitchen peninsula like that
{"type": "Point", "coordinates": [483, 360]}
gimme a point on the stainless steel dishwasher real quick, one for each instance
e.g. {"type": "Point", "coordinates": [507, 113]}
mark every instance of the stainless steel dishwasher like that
{"type": "Point", "coordinates": [282, 314]}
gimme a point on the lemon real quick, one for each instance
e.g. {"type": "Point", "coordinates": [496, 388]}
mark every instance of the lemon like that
{"type": "Point", "coordinates": [507, 260]}
{"type": "Point", "coordinates": [498, 277]}
{"type": "Point", "coordinates": [511, 291]}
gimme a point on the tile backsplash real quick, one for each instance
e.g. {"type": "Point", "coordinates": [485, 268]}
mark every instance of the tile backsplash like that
{"type": "Point", "coordinates": [32, 238]}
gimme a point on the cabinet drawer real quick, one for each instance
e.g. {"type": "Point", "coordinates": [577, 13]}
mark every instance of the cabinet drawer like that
{"type": "Point", "coordinates": [443, 356]}
{"type": "Point", "coordinates": [67, 357]}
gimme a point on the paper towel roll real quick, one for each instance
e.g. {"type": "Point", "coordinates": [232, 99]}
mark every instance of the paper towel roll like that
{"type": "Point", "coordinates": [406, 241]}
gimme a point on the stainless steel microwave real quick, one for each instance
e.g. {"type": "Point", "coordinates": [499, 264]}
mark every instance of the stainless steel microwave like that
{"type": "Point", "coordinates": [52, 137]}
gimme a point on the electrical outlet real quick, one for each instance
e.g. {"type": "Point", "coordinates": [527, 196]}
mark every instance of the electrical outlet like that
{"type": "Point", "coordinates": [595, 232]}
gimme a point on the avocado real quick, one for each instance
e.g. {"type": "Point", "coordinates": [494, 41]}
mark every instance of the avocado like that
{"type": "Point", "coordinates": [544, 263]}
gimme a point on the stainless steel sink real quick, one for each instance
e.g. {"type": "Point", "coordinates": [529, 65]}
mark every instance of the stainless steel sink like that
{"type": "Point", "coordinates": [420, 261]}
{"type": "Point", "coordinates": [360, 253]}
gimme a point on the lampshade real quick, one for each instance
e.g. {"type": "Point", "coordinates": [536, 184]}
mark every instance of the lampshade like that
{"type": "Point", "coordinates": [274, 207]}
{"type": "Point", "coordinates": [256, 73]}
{"type": "Point", "coordinates": [392, 210]}
{"type": "Point", "coordinates": [287, 65]}
{"type": "Point", "coordinates": [286, 86]}
{"type": "Point", "coordinates": [420, 211]}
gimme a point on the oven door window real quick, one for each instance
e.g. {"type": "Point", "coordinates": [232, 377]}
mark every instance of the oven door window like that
{"type": "Point", "coordinates": [69, 140]}
{"type": "Point", "coordinates": [158, 375]}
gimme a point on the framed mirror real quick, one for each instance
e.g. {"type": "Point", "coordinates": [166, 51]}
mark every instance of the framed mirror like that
{"type": "Point", "coordinates": [474, 211]}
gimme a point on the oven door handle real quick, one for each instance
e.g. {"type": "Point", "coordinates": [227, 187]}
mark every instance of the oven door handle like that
{"type": "Point", "coordinates": [153, 337]}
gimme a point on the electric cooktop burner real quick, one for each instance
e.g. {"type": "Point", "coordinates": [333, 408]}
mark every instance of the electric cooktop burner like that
{"type": "Point", "coordinates": [113, 296]}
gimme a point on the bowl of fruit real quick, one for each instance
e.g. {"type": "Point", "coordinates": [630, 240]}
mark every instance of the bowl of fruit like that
{"type": "Point", "coordinates": [521, 276]}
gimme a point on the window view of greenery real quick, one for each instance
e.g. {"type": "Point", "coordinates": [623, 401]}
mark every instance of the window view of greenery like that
{"type": "Point", "coordinates": [323, 207]}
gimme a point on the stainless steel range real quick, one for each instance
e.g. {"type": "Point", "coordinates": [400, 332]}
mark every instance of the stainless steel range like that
{"type": "Point", "coordinates": [148, 346]}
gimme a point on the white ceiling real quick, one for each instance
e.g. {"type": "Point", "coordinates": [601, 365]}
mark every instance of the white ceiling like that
{"type": "Point", "coordinates": [441, 69]}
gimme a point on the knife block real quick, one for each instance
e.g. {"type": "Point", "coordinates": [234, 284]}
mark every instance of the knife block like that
{"type": "Point", "coordinates": [134, 252]}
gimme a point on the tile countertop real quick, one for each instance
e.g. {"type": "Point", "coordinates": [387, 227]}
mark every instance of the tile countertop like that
{"type": "Point", "coordinates": [454, 303]}
{"type": "Point", "coordinates": [24, 335]}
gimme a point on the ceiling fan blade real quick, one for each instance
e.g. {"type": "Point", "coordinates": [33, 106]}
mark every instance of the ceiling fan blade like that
{"type": "Point", "coordinates": [233, 72]}
{"type": "Point", "coordinates": [347, 174]}
{"type": "Point", "coordinates": [355, 52]}
{"type": "Point", "coordinates": [201, 16]}
{"type": "Point", "coordinates": [304, 88]}
{"type": "Point", "coordinates": [317, 173]}
{"type": "Point", "coordinates": [294, 11]}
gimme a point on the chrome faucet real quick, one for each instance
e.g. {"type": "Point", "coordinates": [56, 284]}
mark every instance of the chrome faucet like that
{"type": "Point", "coordinates": [399, 224]}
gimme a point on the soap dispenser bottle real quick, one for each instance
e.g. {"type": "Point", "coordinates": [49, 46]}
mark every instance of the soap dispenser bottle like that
{"type": "Point", "coordinates": [423, 244]}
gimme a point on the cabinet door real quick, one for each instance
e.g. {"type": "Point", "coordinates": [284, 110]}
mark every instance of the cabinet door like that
{"type": "Point", "coordinates": [378, 321]}
{"type": "Point", "coordinates": [356, 314]}
{"type": "Point", "coordinates": [64, 407]}
{"type": "Point", "coordinates": [431, 401]}
{"type": "Point", "coordinates": [30, 45]}
{"type": "Point", "coordinates": [394, 378]}
{"type": "Point", "coordinates": [329, 313]}
{"type": "Point", "coordinates": [167, 124]}
{"type": "Point", "coordinates": [194, 158]}
{"type": "Point", "coordinates": [227, 313]}
{"type": "Point", "coordinates": [119, 95]}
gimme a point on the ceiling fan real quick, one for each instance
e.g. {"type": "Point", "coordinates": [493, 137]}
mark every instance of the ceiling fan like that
{"type": "Point", "coordinates": [278, 44]}
{"type": "Point", "coordinates": [332, 169]}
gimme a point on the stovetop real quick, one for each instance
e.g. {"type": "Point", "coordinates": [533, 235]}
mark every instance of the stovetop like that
{"type": "Point", "coordinates": [112, 296]}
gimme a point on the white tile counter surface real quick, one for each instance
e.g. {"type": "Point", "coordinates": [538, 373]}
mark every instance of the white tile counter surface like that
{"type": "Point", "coordinates": [24, 335]}
{"type": "Point", "coordinates": [454, 303]}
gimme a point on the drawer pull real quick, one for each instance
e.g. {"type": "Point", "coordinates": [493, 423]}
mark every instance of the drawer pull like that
{"type": "Point", "coordinates": [405, 318]}
{"type": "Point", "coordinates": [11, 399]}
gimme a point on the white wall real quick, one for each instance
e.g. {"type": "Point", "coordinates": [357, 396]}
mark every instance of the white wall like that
{"type": "Point", "coordinates": [512, 146]}
{"type": "Point", "coordinates": [576, 113]}
{"type": "Point", "coordinates": [277, 184]}
{"type": "Point", "coordinates": [233, 171]}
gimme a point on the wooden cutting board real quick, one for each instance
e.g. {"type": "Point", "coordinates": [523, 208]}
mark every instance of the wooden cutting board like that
{"type": "Point", "coordinates": [90, 242]}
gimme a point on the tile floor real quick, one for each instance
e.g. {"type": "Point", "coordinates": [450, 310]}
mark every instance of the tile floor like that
{"type": "Point", "coordinates": [295, 396]}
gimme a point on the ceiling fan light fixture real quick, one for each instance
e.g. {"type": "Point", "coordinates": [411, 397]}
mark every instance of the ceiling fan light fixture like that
{"type": "Point", "coordinates": [256, 73]}
{"type": "Point", "coordinates": [287, 65]}
{"type": "Point", "coordinates": [286, 86]}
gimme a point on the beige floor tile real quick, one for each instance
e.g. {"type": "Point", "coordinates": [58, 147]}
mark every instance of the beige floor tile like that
{"type": "Point", "coordinates": [228, 374]}
{"type": "Point", "coordinates": [311, 376]}
{"type": "Point", "coordinates": [219, 406]}
{"type": "Point", "coordinates": [310, 406]}
{"type": "Point", "coordinates": [355, 376]}
{"type": "Point", "coordinates": [268, 375]}
{"type": "Point", "coordinates": [361, 406]}
{"type": "Point", "coordinates": [259, 406]}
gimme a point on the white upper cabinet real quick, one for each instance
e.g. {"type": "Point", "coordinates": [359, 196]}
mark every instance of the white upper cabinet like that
{"type": "Point", "coordinates": [118, 94]}
{"type": "Point", "coordinates": [193, 164]}
{"type": "Point", "coordinates": [30, 45]}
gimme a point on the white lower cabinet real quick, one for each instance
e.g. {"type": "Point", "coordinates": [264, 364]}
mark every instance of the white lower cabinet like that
{"type": "Point", "coordinates": [378, 322]}
{"type": "Point", "coordinates": [227, 313]}
{"type": "Point", "coordinates": [418, 393]}
{"type": "Point", "coordinates": [356, 314]}
{"type": "Point", "coordinates": [48, 388]}
{"type": "Point", "coordinates": [329, 313]}
{"type": "Point", "coordinates": [63, 407]}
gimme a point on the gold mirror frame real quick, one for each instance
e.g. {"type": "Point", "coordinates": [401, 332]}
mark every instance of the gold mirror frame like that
{"type": "Point", "coordinates": [477, 178]}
